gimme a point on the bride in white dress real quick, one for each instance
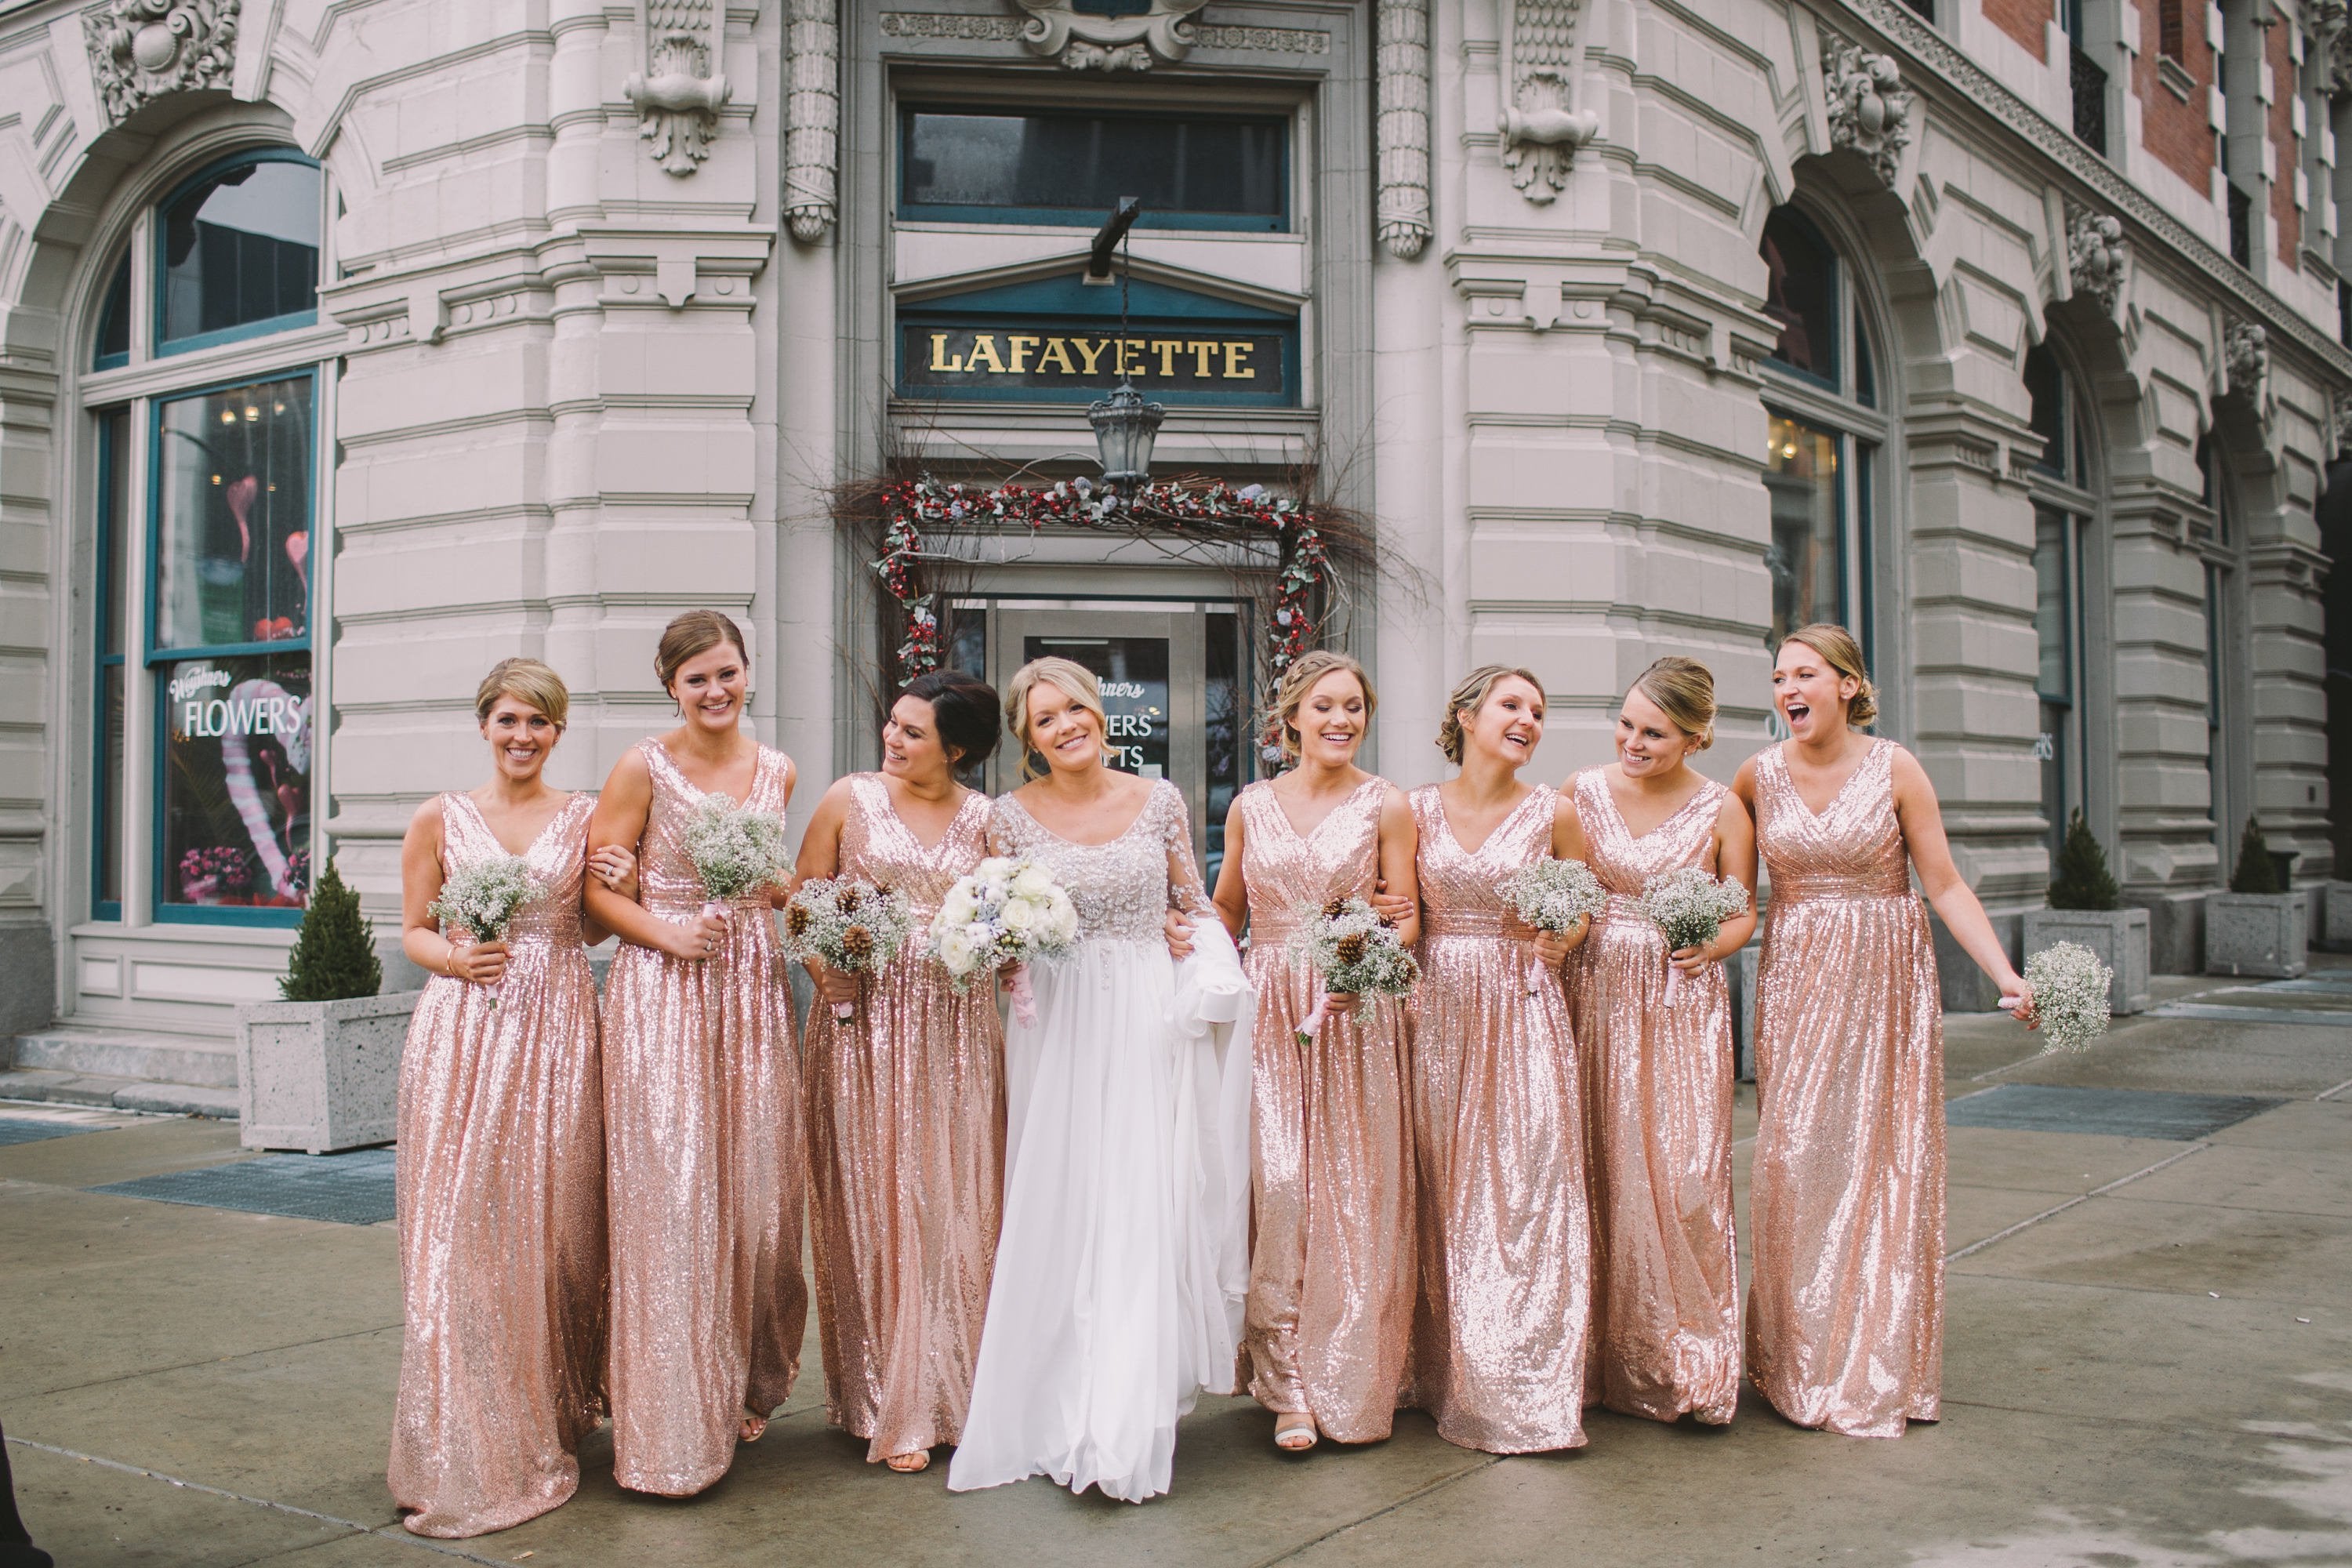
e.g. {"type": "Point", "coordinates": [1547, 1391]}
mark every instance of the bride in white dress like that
{"type": "Point", "coordinates": [1124, 1259]}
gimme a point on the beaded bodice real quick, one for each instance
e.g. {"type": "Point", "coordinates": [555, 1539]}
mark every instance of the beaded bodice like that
{"type": "Point", "coordinates": [1461, 891]}
{"type": "Point", "coordinates": [877, 845]}
{"type": "Point", "coordinates": [1625, 863]}
{"type": "Point", "coordinates": [558, 859]}
{"type": "Point", "coordinates": [665, 877]}
{"type": "Point", "coordinates": [1853, 849]}
{"type": "Point", "coordinates": [1289, 870]}
{"type": "Point", "coordinates": [1123, 889]}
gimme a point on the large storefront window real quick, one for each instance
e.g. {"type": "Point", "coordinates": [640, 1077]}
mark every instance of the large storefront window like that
{"type": "Point", "coordinates": [204, 737]}
{"type": "Point", "coordinates": [1826, 434]}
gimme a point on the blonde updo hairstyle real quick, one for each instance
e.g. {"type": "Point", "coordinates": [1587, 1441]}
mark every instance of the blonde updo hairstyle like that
{"type": "Point", "coordinates": [525, 680]}
{"type": "Point", "coordinates": [690, 635]}
{"type": "Point", "coordinates": [1067, 676]}
{"type": "Point", "coordinates": [1299, 683]}
{"type": "Point", "coordinates": [1842, 654]}
{"type": "Point", "coordinates": [1469, 697]}
{"type": "Point", "coordinates": [1684, 691]}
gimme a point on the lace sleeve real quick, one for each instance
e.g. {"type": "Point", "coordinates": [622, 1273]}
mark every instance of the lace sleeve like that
{"type": "Point", "coordinates": [998, 835]}
{"type": "Point", "coordinates": [1185, 890]}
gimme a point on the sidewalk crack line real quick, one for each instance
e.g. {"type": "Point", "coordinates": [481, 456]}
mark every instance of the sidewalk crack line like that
{"type": "Point", "coordinates": [2061, 1209]}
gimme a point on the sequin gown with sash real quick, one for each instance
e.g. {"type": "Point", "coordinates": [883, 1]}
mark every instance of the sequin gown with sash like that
{"type": "Point", "coordinates": [1506, 1238]}
{"type": "Point", "coordinates": [703, 1112]}
{"type": "Point", "coordinates": [1124, 1259]}
{"type": "Point", "coordinates": [906, 1125]}
{"type": "Point", "coordinates": [1332, 1273]}
{"type": "Point", "coordinates": [1657, 1102]}
{"type": "Point", "coordinates": [501, 1210]}
{"type": "Point", "coordinates": [1845, 1317]}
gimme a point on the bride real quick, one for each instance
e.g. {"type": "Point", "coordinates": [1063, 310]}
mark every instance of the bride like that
{"type": "Point", "coordinates": [1123, 1260]}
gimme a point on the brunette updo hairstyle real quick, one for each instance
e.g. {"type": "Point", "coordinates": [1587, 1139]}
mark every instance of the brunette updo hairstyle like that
{"type": "Point", "coordinates": [525, 680]}
{"type": "Point", "coordinates": [1842, 653]}
{"type": "Point", "coordinates": [690, 635]}
{"type": "Point", "coordinates": [1469, 697]}
{"type": "Point", "coordinates": [1299, 683]}
{"type": "Point", "coordinates": [1684, 689]}
{"type": "Point", "coordinates": [963, 710]}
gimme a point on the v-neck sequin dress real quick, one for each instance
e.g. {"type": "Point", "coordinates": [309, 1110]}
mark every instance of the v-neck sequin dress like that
{"type": "Point", "coordinates": [1332, 1274]}
{"type": "Point", "coordinates": [706, 1172]}
{"type": "Point", "coordinates": [1845, 1317]}
{"type": "Point", "coordinates": [501, 1200]}
{"type": "Point", "coordinates": [906, 1125]}
{"type": "Point", "coordinates": [1506, 1237]}
{"type": "Point", "coordinates": [1657, 1104]}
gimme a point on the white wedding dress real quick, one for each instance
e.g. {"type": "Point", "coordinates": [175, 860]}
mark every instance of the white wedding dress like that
{"type": "Point", "coordinates": [1124, 1257]}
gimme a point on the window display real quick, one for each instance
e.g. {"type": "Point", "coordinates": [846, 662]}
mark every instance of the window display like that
{"type": "Point", "coordinates": [233, 552]}
{"type": "Point", "coordinates": [237, 780]}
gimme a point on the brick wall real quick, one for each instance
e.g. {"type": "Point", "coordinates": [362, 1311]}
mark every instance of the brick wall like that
{"type": "Point", "coordinates": [2027, 21]}
{"type": "Point", "coordinates": [2176, 132]}
{"type": "Point", "coordinates": [2284, 84]}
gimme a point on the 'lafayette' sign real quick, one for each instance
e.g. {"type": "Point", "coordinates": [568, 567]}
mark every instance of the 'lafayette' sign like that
{"type": "Point", "coordinates": [1209, 362]}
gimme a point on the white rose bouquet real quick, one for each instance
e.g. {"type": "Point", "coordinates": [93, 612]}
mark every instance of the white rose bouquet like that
{"type": "Point", "coordinates": [1006, 912]}
{"type": "Point", "coordinates": [2070, 995]}
{"type": "Point", "coordinates": [1354, 951]}
{"type": "Point", "coordinates": [850, 925]}
{"type": "Point", "coordinates": [1553, 896]}
{"type": "Point", "coordinates": [734, 849]}
{"type": "Point", "coordinates": [480, 900]}
{"type": "Point", "coordinates": [1690, 907]}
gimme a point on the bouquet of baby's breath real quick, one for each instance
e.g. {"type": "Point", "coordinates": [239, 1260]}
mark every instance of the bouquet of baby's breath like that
{"type": "Point", "coordinates": [1353, 950]}
{"type": "Point", "coordinates": [1553, 895]}
{"type": "Point", "coordinates": [1000, 915]}
{"type": "Point", "coordinates": [480, 899]}
{"type": "Point", "coordinates": [2070, 995]}
{"type": "Point", "coordinates": [849, 923]}
{"type": "Point", "coordinates": [1690, 907]}
{"type": "Point", "coordinates": [734, 849]}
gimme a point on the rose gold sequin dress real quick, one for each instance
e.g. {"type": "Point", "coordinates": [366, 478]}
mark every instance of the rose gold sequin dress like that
{"type": "Point", "coordinates": [501, 1198]}
{"type": "Point", "coordinates": [906, 1123]}
{"type": "Point", "coordinates": [1845, 1322]}
{"type": "Point", "coordinates": [1331, 1275]}
{"type": "Point", "coordinates": [1506, 1242]}
{"type": "Point", "coordinates": [703, 1117]}
{"type": "Point", "coordinates": [1657, 1103]}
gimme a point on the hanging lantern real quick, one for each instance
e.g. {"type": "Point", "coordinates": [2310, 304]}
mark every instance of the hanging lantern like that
{"type": "Point", "coordinates": [1125, 427]}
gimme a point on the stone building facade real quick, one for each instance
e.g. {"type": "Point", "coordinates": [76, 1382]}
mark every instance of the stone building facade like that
{"type": "Point", "coordinates": [348, 345]}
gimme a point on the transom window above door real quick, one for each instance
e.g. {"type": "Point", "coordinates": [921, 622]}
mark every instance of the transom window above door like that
{"type": "Point", "coordinates": [1002, 164]}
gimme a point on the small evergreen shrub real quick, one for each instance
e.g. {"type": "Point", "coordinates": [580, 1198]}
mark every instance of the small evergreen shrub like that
{"type": "Point", "coordinates": [333, 958]}
{"type": "Point", "coordinates": [2256, 872]}
{"type": "Point", "coordinates": [2081, 880]}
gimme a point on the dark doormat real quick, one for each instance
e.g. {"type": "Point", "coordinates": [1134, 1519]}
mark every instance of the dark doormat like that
{"type": "Point", "coordinates": [25, 1130]}
{"type": "Point", "coordinates": [2110, 1112]}
{"type": "Point", "coordinates": [347, 1189]}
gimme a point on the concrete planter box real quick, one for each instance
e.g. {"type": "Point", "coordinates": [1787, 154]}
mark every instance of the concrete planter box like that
{"type": "Point", "coordinates": [321, 1076]}
{"type": "Point", "coordinates": [2335, 917]}
{"type": "Point", "coordinates": [2118, 936]}
{"type": "Point", "coordinates": [2257, 933]}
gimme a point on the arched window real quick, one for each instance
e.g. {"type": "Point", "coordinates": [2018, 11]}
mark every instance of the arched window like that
{"type": "Point", "coordinates": [1826, 431]}
{"type": "Point", "coordinates": [2065, 506]}
{"type": "Point", "coordinates": [202, 401]}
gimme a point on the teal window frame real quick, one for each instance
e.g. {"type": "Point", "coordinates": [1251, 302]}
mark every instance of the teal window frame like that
{"type": "Point", "coordinates": [292, 321]}
{"type": "Point", "coordinates": [106, 836]}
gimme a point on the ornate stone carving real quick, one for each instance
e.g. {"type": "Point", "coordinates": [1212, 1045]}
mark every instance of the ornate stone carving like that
{"type": "Point", "coordinates": [679, 95]}
{"type": "Point", "coordinates": [141, 49]}
{"type": "Point", "coordinates": [813, 118]}
{"type": "Point", "coordinates": [2245, 361]}
{"type": "Point", "coordinates": [1543, 48]}
{"type": "Point", "coordinates": [1403, 126]}
{"type": "Point", "coordinates": [1084, 40]}
{"type": "Point", "coordinates": [2096, 254]}
{"type": "Point", "coordinates": [2329, 24]}
{"type": "Point", "coordinates": [2339, 421]}
{"type": "Point", "coordinates": [1869, 109]}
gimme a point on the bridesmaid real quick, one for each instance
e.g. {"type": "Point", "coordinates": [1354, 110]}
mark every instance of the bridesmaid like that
{"type": "Point", "coordinates": [1499, 1341]}
{"type": "Point", "coordinates": [701, 1096]}
{"type": "Point", "coordinates": [1329, 1316]}
{"type": "Point", "coordinates": [906, 1098]}
{"type": "Point", "coordinates": [502, 1152]}
{"type": "Point", "coordinates": [1657, 1079]}
{"type": "Point", "coordinates": [1845, 1322]}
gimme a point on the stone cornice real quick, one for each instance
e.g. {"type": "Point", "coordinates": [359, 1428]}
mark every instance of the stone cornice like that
{"type": "Point", "coordinates": [1935, 57]}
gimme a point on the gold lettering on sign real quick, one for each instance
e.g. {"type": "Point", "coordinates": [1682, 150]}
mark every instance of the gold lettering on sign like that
{"type": "Point", "coordinates": [1091, 351]}
{"type": "Point", "coordinates": [1166, 348]}
{"type": "Point", "coordinates": [1057, 353]}
{"type": "Point", "coordinates": [1019, 347]}
{"type": "Point", "coordinates": [940, 358]}
{"type": "Point", "coordinates": [1202, 351]}
{"type": "Point", "coordinates": [985, 345]}
{"type": "Point", "coordinates": [1234, 355]}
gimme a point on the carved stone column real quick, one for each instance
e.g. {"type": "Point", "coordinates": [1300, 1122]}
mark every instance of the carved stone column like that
{"type": "Point", "coordinates": [813, 118]}
{"type": "Point", "coordinates": [1404, 214]}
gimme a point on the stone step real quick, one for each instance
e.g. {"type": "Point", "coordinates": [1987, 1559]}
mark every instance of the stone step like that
{"type": "Point", "coordinates": [52, 1087]}
{"type": "Point", "coordinates": [207, 1061]}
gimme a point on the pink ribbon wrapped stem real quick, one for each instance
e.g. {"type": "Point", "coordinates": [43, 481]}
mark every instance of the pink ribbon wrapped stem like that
{"type": "Point", "coordinates": [1312, 1025]}
{"type": "Point", "coordinates": [1674, 979]}
{"type": "Point", "coordinates": [1024, 996]}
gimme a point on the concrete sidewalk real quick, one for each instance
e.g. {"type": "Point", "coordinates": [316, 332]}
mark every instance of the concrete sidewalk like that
{"type": "Point", "coordinates": [2148, 1362]}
